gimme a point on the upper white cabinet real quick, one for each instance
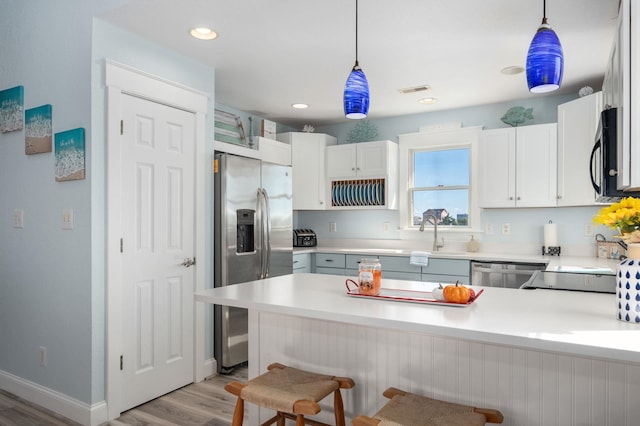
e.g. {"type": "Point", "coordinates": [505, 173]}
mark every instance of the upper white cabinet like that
{"type": "Point", "coordinates": [577, 126]}
{"type": "Point", "coordinates": [274, 152]}
{"type": "Point", "coordinates": [518, 166]}
{"type": "Point", "coordinates": [362, 175]}
{"type": "Point", "coordinates": [362, 160]}
{"type": "Point", "coordinates": [621, 88]}
{"type": "Point", "coordinates": [308, 168]}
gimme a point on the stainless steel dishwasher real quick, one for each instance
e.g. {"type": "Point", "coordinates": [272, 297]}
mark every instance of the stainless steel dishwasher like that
{"type": "Point", "coordinates": [503, 274]}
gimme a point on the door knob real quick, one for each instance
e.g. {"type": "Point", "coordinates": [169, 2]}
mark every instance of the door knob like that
{"type": "Point", "coordinates": [188, 262]}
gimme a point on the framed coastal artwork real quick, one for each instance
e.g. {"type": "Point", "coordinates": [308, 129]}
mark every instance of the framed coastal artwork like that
{"type": "Point", "coordinates": [12, 109]}
{"type": "Point", "coordinates": [38, 134]}
{"type": "Point", "coordinates": [69, 151]}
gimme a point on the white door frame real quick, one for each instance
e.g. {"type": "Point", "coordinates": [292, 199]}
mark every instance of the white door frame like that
{"type": "Point", "coordinates": [121, 79]}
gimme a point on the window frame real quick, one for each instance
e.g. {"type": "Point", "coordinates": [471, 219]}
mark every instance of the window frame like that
{"type": "Point", "coordinates": [467, 137]}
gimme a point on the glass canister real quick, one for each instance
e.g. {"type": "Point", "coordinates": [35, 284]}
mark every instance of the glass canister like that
{"type": "Point", "coordinates": [369, 276]}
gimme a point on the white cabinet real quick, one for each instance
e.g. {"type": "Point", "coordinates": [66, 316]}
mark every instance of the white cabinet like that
{"type": "Point", "coordinates": [518, 166]}
{"type": "Point", "coordinates": [622, 90]}
{"type": "Point", "coordinates": [362, 175]}
{"type": "Point", "coordinates": [362, 160]}
{"type": "Point", "coordinates": [308, 168]}
{"type": "Point", "coordinates": [577, 126]}
{"type": "Point", "coordinates": [274, 152]}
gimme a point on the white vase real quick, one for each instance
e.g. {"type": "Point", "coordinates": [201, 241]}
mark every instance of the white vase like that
{"type": "Point", "coordinates": [628, 286]}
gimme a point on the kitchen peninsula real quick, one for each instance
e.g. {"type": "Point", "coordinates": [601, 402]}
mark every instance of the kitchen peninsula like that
{"type": "Point", "coordinates": [541, 357]}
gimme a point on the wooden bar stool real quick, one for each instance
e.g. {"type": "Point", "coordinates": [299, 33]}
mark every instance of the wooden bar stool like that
{"type": "Point", "coordinates": [292, 393]}
{"type": "Point", "coordinates": [409, 409]}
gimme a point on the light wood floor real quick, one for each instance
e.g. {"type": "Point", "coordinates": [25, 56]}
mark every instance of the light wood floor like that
{"type": "Point", "coordinates": [198, 404]}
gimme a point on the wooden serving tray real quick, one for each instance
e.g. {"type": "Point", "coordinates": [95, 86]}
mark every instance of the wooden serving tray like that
{"type": "Point", "coordinates": [414, 296]}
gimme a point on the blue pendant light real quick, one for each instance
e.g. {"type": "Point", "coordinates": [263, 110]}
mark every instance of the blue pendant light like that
{"type": "Point", "coordinates": [356, 90]}
{"type": "Point", "coordinates": [545, 61]}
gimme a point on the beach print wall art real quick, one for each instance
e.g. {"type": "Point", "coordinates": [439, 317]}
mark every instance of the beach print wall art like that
{"type": "Point", "coordinates": [38, 131]}
{"type": "Point", "coordinates": [69, 152]}
{"type": "Point", "coordinates": [12, 109]}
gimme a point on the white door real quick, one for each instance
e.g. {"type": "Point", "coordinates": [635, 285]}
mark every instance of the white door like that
{"type": "Point", "coordinates": [158, 163]}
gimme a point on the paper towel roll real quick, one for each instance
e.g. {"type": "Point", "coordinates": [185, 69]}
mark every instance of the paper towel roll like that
{"type": "Point", "coordinates": [550, 235]}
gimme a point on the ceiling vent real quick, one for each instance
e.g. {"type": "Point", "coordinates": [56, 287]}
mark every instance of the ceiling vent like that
{"type": "Point", "coordinates": [415, 89]}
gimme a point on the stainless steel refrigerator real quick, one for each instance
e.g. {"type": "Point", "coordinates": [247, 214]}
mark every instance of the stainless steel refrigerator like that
{"type": "Point", "coordinates": [252, 240]}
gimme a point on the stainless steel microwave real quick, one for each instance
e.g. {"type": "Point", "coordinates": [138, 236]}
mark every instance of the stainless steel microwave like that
{"type": "Point", "coordinates": [603, 166]}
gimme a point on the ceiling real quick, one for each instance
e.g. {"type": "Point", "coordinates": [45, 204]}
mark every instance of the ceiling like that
{"type": "Point", "coordinates": [271, 54]}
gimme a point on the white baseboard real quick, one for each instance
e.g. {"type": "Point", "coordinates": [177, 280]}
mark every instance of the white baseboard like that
{"type": "Point", "coordinates": [71, 408]}
{"type": "Point", "coordinates": [210, 367]}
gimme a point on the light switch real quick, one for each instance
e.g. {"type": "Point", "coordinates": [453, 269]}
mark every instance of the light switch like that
{"type": "Point", "coordinates": [67, 219]}
{"type": "Point", "coordinates": [18, 219]}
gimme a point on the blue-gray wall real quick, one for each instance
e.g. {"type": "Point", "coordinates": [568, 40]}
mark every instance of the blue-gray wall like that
{"type": "Point", "coordinates": [52, 282]}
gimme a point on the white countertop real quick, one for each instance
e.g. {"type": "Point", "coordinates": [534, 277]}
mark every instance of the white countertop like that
{"type": "Point", "coordinates": [554, 263]}
{"type": "Point", "coordinates": [582, 324]}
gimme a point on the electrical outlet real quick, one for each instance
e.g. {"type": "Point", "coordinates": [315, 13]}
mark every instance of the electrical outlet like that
{"type": "Point", "coordinates": [506, 229]}
{"type": "Point", "coordinates": [488, 229]}
{"type": "Point", "coordinates": [333, 227]}
{"type": "Point", "coordinates": [385, 226]}
{"type": "Point", "coordinates": [588, 229]}
{"type": "Point", "coordinates": [18, 219]}
{"type": "Point", "coordinates": [43, 356]}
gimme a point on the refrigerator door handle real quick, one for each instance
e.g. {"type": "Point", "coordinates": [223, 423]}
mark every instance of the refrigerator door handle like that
{"type": "Point", "coordinates": [267, 233]}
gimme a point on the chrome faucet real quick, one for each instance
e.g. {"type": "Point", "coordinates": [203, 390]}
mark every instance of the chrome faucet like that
{"type": "Point", "coordinates": [436, 245]}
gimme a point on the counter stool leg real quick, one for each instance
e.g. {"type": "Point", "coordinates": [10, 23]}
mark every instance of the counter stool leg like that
{"type": "Point", "coordinates": [238, 413]}
{"type": "Point", "coordinates": [338, 408]}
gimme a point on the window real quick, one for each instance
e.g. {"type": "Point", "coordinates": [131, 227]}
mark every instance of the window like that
{"type": "Point", "coordinates": [441, 186]}
{"type": "Point", "coordinates": [437, 172]}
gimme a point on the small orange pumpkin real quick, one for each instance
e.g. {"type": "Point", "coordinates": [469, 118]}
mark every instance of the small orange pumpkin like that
{"type": "Point", "coordinates": [456, 293]}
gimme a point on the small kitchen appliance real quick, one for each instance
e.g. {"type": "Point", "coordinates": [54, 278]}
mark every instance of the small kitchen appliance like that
{"type": "Point", "coordinates": [304, 238]}
{"type": "Point", "coordinates": [603, 167]}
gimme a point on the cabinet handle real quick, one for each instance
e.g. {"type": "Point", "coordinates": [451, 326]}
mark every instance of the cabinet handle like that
{"type": "Point", "coordinates": [328, 260]}
{"type": "Point", "coordinates": [511, 198]}
{"type": "Point", "coordinates": [353, 169]}
{"type": "Point", "coordinates": [517, 198]}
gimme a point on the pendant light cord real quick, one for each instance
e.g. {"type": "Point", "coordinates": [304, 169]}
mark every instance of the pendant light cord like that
{"type": "Point", "coordinates": [356, 32]}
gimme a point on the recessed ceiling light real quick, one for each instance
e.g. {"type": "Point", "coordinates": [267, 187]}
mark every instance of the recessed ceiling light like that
{"type": "Point", "coordinates": [300, 106]}
{"type": "Point", "coordinates": [512, 70]}
{"type": "Point", "coordinates": [203, 33]}
{"type": "Point", "coordinates": [428, 101]}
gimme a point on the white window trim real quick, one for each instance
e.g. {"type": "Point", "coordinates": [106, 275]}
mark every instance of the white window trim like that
{"type": "Point", "coordinates": [445, 139]}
